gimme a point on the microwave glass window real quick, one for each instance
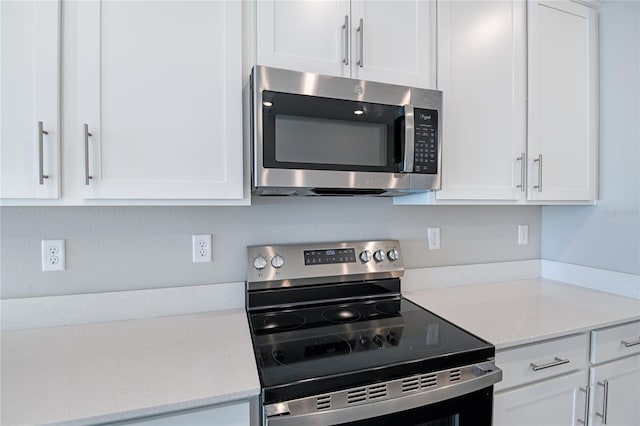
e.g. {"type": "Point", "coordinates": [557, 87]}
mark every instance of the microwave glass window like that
{"type": "Point", "coordinates": [315, 133]}
{"type": "Point", "coordinates": [311, 140]}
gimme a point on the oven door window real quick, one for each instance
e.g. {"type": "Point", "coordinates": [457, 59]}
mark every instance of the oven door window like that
{"type": "Point", "coordinates": [474, 409]}
{"type": "Point", "coordinates": [313, 133]}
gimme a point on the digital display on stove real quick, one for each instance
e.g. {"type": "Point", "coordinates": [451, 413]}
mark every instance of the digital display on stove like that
{"type": "Point", "coordinates": [329, 256]}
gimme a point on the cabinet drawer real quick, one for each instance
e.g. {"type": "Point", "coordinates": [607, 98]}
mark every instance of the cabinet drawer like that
{"type": "Point", "coordinates": [538, 361]}
{"type": "Point", "coordinates": [615, 342]}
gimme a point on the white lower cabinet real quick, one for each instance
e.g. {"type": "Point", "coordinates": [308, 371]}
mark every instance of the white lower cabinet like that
{"type": "Point", "coordinates": [615, 378]}
{"type": "Point", "coordinates": [615, 390]}
{"type": "Point", "coordinates": [543, 383]}
{"type": "Point", "coordinates": [554, 382]}
{"type": "Point", "coordinates": [557, 401]}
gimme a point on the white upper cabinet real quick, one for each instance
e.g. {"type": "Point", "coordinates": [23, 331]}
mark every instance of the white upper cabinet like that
{"type": "Point", "coordinates": [386, 41]}
{"type": "Point", "coordinates": [563, 99]}
{"type": "Point", "coordinates": [482, 73]}
{"type": "Point", "coordinates": [393, 42]}
{"type": "Point", "coordinates": [157, 99]}
{"type": "Point", "coordinates": [520, 103]}
{"type": "Point", "coordinates": [29, 89]}
{"type": "Point", "coordinates": [311, 36]}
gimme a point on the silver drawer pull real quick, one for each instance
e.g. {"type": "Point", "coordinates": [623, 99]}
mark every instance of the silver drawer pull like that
{"type": "Point", "coordinates": [556, 361]}
{"type": "Point", "coordinates": [628, 344]}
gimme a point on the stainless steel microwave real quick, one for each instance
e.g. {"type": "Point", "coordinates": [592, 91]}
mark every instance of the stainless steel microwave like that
{"type": "Point", "coordinates": [320, 135]}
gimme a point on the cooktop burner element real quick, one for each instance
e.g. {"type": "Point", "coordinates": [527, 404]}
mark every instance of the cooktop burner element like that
{"type": "Point", "coordinates": [331, 317]}
{"type": "Point", "coordinates": [284, 321]}
{"type": "Point", "coordinates": [341, 315]}
{"type": "Point", "coordinates": [388, 308]}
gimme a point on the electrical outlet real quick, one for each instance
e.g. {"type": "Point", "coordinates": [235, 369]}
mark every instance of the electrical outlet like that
{"type": "Point", "coordinates": [53, 256]}
{"type": "Point", "coordinates": [201, 248]}
{"type": "Point", "coordinates": [433, 235]}
{"type": "Point", "coordinates": [523, 234]}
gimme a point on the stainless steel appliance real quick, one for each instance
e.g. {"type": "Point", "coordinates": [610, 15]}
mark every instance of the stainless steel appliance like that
{"type": "Point", "coordinates": [337, 343]}
{"type": "Point", "coordinates": [320, 135]}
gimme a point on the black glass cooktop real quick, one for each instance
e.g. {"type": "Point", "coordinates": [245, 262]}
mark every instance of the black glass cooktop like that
{"type": "Point", "coordinates": [326, 347]}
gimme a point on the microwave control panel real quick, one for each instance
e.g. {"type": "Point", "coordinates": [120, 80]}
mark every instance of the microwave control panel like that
{"type": "Point", "coordinates": [425, 157]}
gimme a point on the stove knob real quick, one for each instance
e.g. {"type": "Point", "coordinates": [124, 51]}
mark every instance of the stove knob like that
{"type": "Point", "coordinates": [378, 256]}
{"type": "Point", "coordinates": [392, 338]}
{"type": "Point", "coordinates": [365, 256]}
{"type": "Point", "coordinates": [393, 255]}
{"type": "Point", "coordinates": [364, 341]}
{"type": "Point", "coordinates": [378, 340]}
{"type": "Point", "coordinates": [259, 263]}
{"type": "Point", "coordinates": [277, 261]}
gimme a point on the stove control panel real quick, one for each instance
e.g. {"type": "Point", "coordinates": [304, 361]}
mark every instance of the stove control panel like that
{"type": "Point", "coordinates": [312, 263]}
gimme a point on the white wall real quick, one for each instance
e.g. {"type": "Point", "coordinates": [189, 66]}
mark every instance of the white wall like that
{"type": "Point", "coordinates": [126, 248]}
{"type": "Point", "coordinates": [607, 236]}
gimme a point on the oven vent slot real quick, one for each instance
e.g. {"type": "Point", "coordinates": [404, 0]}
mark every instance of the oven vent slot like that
{"type": "Point", "coordinates": [363, 394]}
{"type": "Point", "coordinates": [455, 375]}
{"type": "Point", "coordinates": [357, 395]}
{"type": "Point", "coordinates": [323, 402]}
{"type": "Point", "coordinates": [419, 382]}
{"type": "Point", "coordinates": [378, 391]}
{"type": "Point", "coordinates": [428, 381]}
{"type": "Point", "coordinates": [411, 384]}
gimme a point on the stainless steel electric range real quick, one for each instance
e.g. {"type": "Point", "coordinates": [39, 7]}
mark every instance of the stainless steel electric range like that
{"type": "Point", "coordinates": [337, 343]}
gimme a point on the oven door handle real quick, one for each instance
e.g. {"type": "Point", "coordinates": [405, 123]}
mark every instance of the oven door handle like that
{"type": "Point", "coordinates": [285, 415]}
{"type": "Point", "coordinates": [409, 139]}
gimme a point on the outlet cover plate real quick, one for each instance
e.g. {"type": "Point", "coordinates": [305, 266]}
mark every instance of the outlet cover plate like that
{"type": "Point", "coordinates": [53, 255]}
{"type": "Point", "coordinates": [523, 234]}
{"type": "Point", "coordinates": [433, 235]}
{"type": "Point", "coordinates": [201, 248]}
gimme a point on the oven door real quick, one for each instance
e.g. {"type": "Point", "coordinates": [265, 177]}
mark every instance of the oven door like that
{"type": "Point", "coordinates": [474, 409]}
{"type": "Point", "coordinates": [460, 397]}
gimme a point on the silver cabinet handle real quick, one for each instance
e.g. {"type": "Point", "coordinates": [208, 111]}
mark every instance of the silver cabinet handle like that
{"type": "Point", "coordinates": [360, 31]}
{"type": "Point", "coordinates": [605, 401]}
{"type": "Point", "coordinates": [556, 361]}
{"type": "Point", "coordinates": [539, 185]}
{"type": "Point", "coordinates": [87, 176]}
{"type": "Point", "coordinates": [41, 133]}
{"type": "Point", "coordinates": [587, 392]}
{"type": "Point", "coordinates": [345, 32]}
{"type": "Point", "coordinates": [522, 159]}
{"type": "Point", "coordinates": [628, 344]}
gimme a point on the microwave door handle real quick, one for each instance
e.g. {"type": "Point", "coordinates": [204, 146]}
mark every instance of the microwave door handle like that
{"type": "Point", "coordinates": [409, 139]}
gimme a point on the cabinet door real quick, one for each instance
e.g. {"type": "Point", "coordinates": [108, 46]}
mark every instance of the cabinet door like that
{"type": "Point", "coordinates": [562, 100]}
{"type": "Point", "coordinates": [553, 402]}
{"type": "Point", "coordinates": [29, 92]}
{"type": "Point", "coordinates": [308, 36]}
{"type": "Point", "coordinates": [159, 88]}
{"type": "Point", "coordinates": [482, 73]}
{"type": "Point", "coordinates": [394, 41]}
{"type": "Point", "coordinates": [622, 380]}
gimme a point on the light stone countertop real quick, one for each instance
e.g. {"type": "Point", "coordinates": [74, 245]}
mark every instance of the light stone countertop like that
{"type": "Point", "coordinates": [513, 313]}
{"type": "Point", "coordinates": [111, 371]}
